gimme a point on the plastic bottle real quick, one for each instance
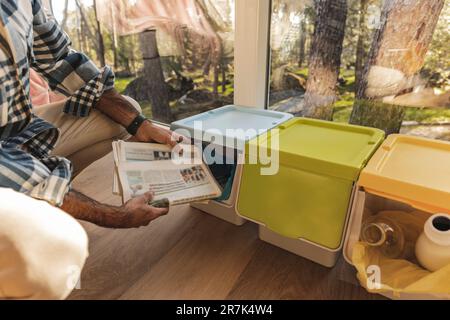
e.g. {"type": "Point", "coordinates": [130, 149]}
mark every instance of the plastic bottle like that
{"type": "Point", "coordinates": [433, 245]}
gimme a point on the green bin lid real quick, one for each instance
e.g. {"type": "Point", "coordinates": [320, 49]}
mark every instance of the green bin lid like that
{"type": "Point", "coordinates": [335, 149]}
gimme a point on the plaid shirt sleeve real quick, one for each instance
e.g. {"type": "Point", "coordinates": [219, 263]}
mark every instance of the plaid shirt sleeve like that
{"type": "Point", "coordinates": [67, 71]}
{"type": "Point", "coordinates": [27, 167]}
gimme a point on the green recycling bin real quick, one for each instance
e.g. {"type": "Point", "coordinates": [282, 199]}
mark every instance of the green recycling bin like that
{"type": "Point", "coordinates": [303, 206]}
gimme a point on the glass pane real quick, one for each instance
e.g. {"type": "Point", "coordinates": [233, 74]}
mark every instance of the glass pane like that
{"type": "Point", "coordinates": [181, 66]}
{"type": "Point", "coordinates": [372, 63]}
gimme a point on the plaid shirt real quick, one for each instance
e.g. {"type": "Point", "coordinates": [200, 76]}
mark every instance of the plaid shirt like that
{"type": "Point", "coordinates": [31, 38]}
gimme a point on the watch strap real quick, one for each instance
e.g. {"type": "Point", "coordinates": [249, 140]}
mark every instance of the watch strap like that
{"type": "Point", "coordinates": [136, 124]}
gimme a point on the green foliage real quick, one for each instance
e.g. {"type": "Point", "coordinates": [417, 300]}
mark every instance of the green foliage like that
{"type": "Point", "coordinates": [427, 115]}
{"type": "Point", "coordinates": [229, 89]}
{"type": "Point", "coordinates": [121, 83]}
{"type": "Point", "coordinates": [342, 114]}
{"type": "Point", "coordinates": [146, 108]}
{"type": "Point", "coordinates": [303, 72]}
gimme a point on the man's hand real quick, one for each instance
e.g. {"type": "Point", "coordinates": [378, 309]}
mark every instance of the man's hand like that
{"type": "Point", "coordinates": [120, 110]}
{"type": "Point", "coordinates": [149, 132]}
{"type": "Point", "coordinates": [133, 214]}
{"type": "Point", "coordinates": [137, 212]}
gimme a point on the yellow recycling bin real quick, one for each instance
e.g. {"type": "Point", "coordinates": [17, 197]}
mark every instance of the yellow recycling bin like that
{"type": "Point", "coordinates": [410, 175]}
{"type": "Point", "coordinates": [303, 206]}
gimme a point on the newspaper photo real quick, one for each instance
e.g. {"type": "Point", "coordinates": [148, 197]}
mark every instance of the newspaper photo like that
{"type": "Point", "coordinates": [178, 175]}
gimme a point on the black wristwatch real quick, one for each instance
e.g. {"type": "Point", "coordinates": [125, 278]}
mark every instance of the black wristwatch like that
{"type": "Point", "coordinates": [135, 124]}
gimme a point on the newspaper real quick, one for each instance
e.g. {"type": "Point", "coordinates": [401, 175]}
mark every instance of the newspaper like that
{"type": "Point", "coordinates": [178, 175]}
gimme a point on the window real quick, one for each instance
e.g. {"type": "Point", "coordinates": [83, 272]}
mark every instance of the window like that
{"type": "Point", "coordinates": [206, 62]}
{"type": "Point", "coordinates": [290, 40]}
{"type": "Point", "coordinates": [406, 86]}
{"type": "Point", "coordinates": [174, 57]}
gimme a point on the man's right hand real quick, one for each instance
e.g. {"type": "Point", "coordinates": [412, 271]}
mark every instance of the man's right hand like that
{"type": "Point", "coordinates": [137, 212]}
{"type": "Point", "coordinates": [134, 213]}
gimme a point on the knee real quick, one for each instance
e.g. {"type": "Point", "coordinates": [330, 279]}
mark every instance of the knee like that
{"type": "Point", "coordinates": [42, 249]}
{"type": "Point", "coordinates": [134, 103]}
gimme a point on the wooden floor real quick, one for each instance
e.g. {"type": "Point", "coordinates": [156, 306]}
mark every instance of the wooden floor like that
{"type": "Point", "coordinates": [191, 255]}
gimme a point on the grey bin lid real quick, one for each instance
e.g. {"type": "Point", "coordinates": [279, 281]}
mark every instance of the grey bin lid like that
{"type": "Point", "coordinates": [245, 124]}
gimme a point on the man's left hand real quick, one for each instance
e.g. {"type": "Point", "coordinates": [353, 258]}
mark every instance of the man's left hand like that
{"type": "Point", "coordinates": [120, 110]}
{"type": "Point", "coordinates": [150, 132]}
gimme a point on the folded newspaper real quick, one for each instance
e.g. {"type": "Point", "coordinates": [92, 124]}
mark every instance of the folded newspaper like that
{"type": "Point", "coordinates": [178, 174]}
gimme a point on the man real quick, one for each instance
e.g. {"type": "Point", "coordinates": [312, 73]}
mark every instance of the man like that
{"type": "Point", "coordinates": [40, 245]}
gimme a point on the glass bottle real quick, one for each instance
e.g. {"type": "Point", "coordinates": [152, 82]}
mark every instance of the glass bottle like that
{"type": "Point", "coordinates": [386, 235]}
{"type": "Point", "coordinates": [394, 233]}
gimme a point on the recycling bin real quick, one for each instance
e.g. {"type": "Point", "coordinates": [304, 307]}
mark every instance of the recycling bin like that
{"type": "Point", "coordinates": [222, 134]}
{"type": "Point", "coordinates": [304, 206]}
{"type": "Point", "coordinates": [406, 174]}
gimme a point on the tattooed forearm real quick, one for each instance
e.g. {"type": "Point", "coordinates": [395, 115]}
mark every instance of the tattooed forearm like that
{"type": "Point", "coordinates": [84, 208]}
{"type": "Point", "coordinates": [116, 107]}
{"type": "Point", "coordinates": [133, 214]}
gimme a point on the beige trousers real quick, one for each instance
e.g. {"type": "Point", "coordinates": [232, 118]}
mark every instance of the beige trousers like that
{"type": "Point", "coordinates": [43, 249]}
{"type": "Point", "coordinates": [83, 140]}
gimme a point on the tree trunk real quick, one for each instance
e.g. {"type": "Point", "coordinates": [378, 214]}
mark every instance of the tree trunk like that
{"type": "Point", "coordinates": [87, 32]}
{"type": "Point", "coordinates": [101, 44]}
{"type": "Point", "coordinates": [361, 54]}
{"type": "Point", "coordinates": [114, 39]}
{"type": "Point", "coordinates": [397, 54]}
{"type": "Point", "coordinates": [309, 39]}
{"type": "Point", "coordinates": [125, 54]}
{"type": "Point", "coordinates": [302, 44]}
{"type": "Point", "coordinates": [216, 81]}
{"type": "Point", "coordinates": [154, 75]}
{"type": "Point", "coordinates": [65, 14]}
{"type": "Point", "coordinates": [325, 58]}
{"type": "Point", "coordinates": [79, 36]}
{"type": "Point", "coordinates": [224, 75]}
{"type": "Point", "coordinates": [84, 40]}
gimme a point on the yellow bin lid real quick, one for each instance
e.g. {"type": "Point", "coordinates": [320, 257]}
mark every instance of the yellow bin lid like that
{"type": "Point", "coordinates": [412, 170]}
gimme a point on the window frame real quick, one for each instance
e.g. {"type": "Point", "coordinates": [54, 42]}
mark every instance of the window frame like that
{"type": "Point", "coordinates": [252, 53]}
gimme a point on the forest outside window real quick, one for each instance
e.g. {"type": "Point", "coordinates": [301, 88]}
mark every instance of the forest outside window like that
{"type": "Point", "coordinates": [174, 57]}
{"type": "Point", "coordinates": [380, 63]}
